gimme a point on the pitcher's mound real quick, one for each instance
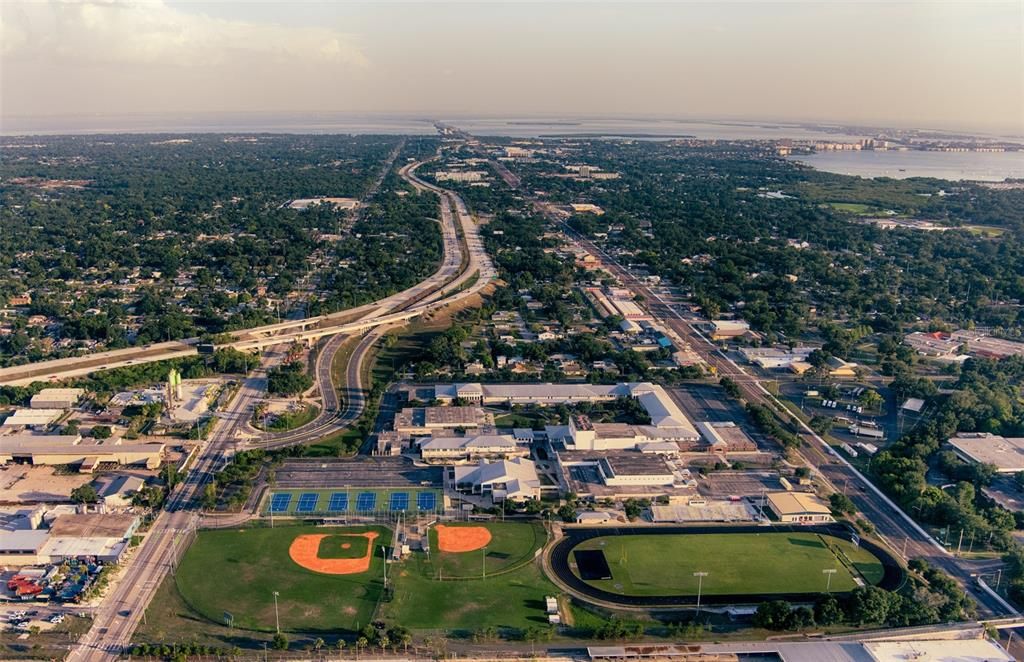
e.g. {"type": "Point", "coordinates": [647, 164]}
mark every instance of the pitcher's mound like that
{"type": "Point", "coordinates": [305, 550]}
{"type": "Point", "coordinates": [461, 538]}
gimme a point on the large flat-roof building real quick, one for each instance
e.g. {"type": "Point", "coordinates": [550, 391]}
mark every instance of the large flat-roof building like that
{"type": "Point", "coordinates": [32, 418]}
{"type": "Point", "coordinates": [1005, 453]}
{"type": "Point", "coordinates": [430, 420]}
{"type": "Point", "coordinates": [668, 422]}
{"type": "Point", "coordinates": [56, 398]}
{"type": "Point", "coordinates": [71, 450]}
{"type": "Point", "coordinates": [104, 537]}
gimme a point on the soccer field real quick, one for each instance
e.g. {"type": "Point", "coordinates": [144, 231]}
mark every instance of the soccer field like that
{"type": "Point", "coordinates": [735, 563]}
{"type": "Point", "coordinates": [351, 501]}
{"type": "Point", "coordinates": [237, 571]}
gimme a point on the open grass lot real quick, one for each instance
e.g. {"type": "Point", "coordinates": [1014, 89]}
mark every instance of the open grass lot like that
{"type": "Point", "coordinates": [511, 597]}
{"type": "Point", "coordinates": [237, 571]}
{"type": "Point", "coordinates": [322, 506]}
{"type": "Point", "coordinates": [657, 565]}
{"type": "Point", "coordinates": [851, 207]}
{"type": "Point", "coordinates": [511, 545]}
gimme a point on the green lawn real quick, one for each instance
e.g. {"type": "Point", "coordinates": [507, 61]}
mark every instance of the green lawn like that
{"type": "Point", "coordinates": [512, 544]}
{"type": "Point", "coordinates": [510, 600]}
{"type": "Point", "coordinates": [735, 563]}
{"type": "Point", "coordinates": [851, 207]}
{"type": "Point", "coordinates": [512, 595]}
{"type": "Point", "coordinates": [381, 502]}
{"type": "Point", "coordinates": [237, 571]}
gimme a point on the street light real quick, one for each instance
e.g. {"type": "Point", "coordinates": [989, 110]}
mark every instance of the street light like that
{"type": "Point", "coordinates": [277, 617]}
{"type": "Point", "coordinates": [700, 583]}
{"type": "Point", "coordinates": [828, 572]}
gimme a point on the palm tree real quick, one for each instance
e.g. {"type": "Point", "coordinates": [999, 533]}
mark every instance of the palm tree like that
{"type": "Point", "coordinates": [318, 644]}
{"type": "Point", "coordinates": [383, 642]}
{"type": "Point", "coordinates": [341, 646]}
{"type": "Point", "coordinates": [361, 642]}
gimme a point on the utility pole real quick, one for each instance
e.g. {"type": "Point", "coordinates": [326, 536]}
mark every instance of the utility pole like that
{"type": "Point", "coordinates": [828, 572]}
{"type": "Point", "coordinates": [700, 584]}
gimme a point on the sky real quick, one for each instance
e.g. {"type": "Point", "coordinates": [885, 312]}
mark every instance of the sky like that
{"type": "Point", "coordinates": [956, 65]}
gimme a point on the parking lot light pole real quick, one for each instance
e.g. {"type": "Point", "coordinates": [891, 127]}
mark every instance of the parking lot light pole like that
{"type": "Point", "coordinates": [828, 572]}
{"type": "Point", "coordinates": [700, 584]}
{"type": "Point", "coordinates": [277, 617]}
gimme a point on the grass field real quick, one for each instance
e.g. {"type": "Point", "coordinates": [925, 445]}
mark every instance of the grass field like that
{"type": "Point", "coordinates": [736, 563]}
{"type": "Point", "coordinates": [851, 207]}
{"type": "Point", "coordinates": [512, 544]}
{"type": "Point", "coordinates": [512, 595]}
{"type": "Point", "coordinates": [322, 506]}
{"type": "Point", "coordinates": [237, 571]}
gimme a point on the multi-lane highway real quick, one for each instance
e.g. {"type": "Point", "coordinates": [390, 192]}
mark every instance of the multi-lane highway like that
{"type": "Point", "coordinates": [465, 260]}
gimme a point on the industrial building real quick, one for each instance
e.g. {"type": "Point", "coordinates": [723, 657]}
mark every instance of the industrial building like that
{"type": "Point", "coordinates": [32, 418]}
{"type": "Point", "coordinates": [430, 420]}
{"type": "Point", "coordinates": [103, 537]}
{"type": "Point", "coordinates": [1005, 453]}
{"type": "Point", "coordinates": [770, 358]}
{"type": "Point", "coordinates": [56, 398]}
{"type": "Point", "coordinates": [72, 450]}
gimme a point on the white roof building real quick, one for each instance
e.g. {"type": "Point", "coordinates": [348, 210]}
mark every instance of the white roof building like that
{"type": "Point", "coordinates": [31, 418]}
{"type": "Point", "coordinates": [56, 398]}
{"type": "Point", "coordinates": [514, 479]}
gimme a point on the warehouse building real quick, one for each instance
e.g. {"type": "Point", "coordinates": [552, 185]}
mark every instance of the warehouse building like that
{"type": "Point", "coordinates": [1005, 453]}
{"type": "Point", "coordinates": [56, 398]}
{"type": "Point", "coordinates": [72, 450]}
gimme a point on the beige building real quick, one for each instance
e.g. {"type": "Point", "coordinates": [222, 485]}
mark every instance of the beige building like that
{"type": "Point", "coordinates": [56, 398]}
{"type": "Point", "coordinates": [70, 449]}
{"type": "Point", "coordinates": [799, 508]}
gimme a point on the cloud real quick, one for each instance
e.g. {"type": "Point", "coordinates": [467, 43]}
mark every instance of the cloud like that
{"type": "Point", "coordinates": [149, 32]}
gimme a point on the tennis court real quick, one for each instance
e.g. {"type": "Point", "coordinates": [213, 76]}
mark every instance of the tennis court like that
{"type": "Point", "coordinates": [280, 503]}
{"type": "Point", "coordinates": [339, 502]}
{"type": "Point", "coordinates": [366, 502]}
{"type": "Point", "coordinates": [426, 501]}
{"type": "Point", "coordinates": [333, 502]}
{"type": "Point", "coordinates": [399, 501]}
{"type": "Point", "coordinates": [307, 502]}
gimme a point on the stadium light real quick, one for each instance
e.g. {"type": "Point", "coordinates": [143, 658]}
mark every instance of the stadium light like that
{"type": "Point", "coordinates": [700, 583]}
{"type": "Point", "coordinates": [277, 616]}
{"type": "Point", "coordinates": [828, 572]}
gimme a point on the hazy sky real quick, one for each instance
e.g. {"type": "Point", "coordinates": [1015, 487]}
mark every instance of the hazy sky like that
{"type": "Point", "coordinates": [936, 64]}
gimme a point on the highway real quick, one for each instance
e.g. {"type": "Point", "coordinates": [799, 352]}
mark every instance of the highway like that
{"type": "Point", "coordinates": [437, 291]}
{"type": "Point", "coordinates": [121, 611]}
{"type": "Point", "coordinates": [894, 527]}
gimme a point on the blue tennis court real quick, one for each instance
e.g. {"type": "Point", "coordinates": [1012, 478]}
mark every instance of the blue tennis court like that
{"type": "Point", "coordinates": [279, 503]}
{"type": "Point", "coordinates": [307, 502]}
{"type": "Point", "coordinates": [339, 502]}
{"type": "Point", "coordinates": [399, 501]}
{"type": "Point", "coordinates": [426, 500]}
{"type": "Point", "coordinates": [366, 501]}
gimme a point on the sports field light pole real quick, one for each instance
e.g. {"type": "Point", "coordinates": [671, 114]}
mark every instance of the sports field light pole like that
{"type": "Point", "coordinates": [483, 563]}
{"type": "Point", "coordinates": [277, 617]}
{"type": "Point", "coordinates": [700, 583]}
{"type": "Point", "coordinates": [828, 572]}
